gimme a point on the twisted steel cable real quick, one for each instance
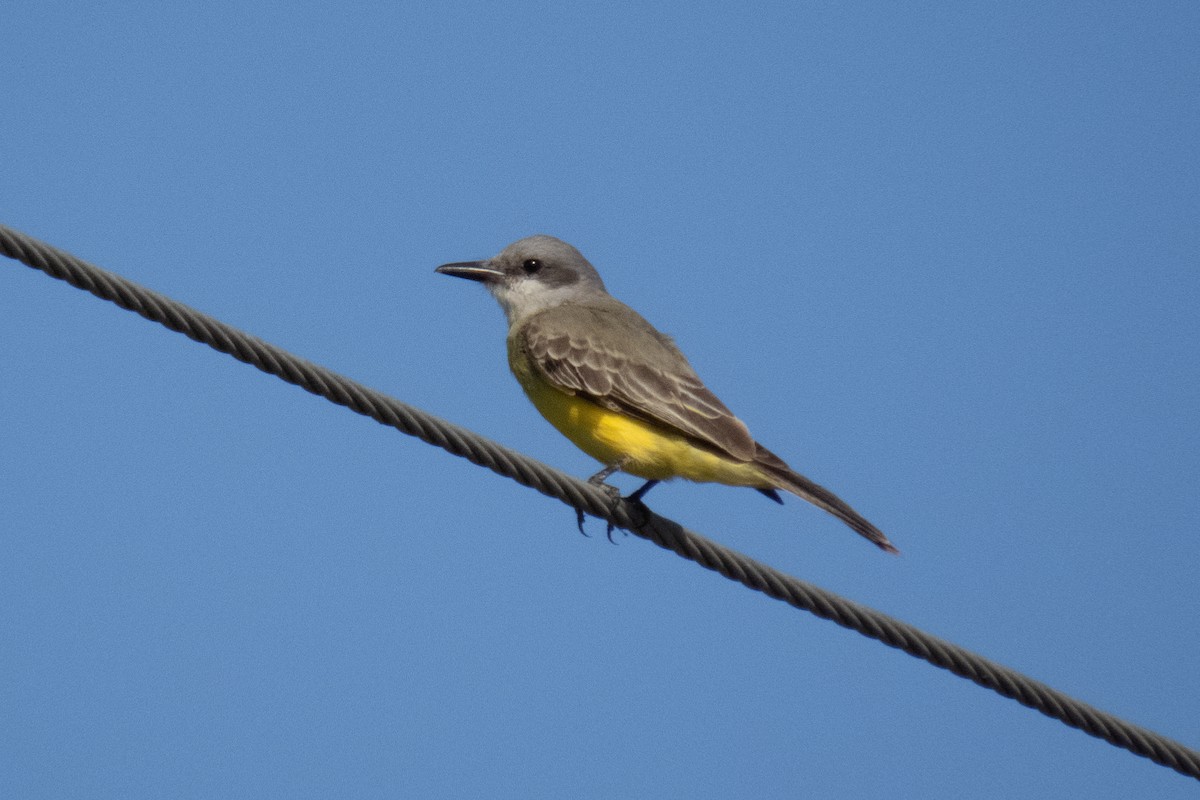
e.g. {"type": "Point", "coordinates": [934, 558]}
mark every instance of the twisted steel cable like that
{"type": "Point", "coordinates": [633, 517]}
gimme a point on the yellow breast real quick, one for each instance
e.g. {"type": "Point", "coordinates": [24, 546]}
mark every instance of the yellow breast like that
{"type": "Point", "coordinates": [649, 451]}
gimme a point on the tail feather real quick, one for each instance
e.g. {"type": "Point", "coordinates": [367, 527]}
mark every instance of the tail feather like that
{"type": "Point", "coordinates": [784, 478]}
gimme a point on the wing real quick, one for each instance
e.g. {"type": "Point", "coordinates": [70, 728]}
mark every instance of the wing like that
{"type": "Point", "coordinates": [612, 356]}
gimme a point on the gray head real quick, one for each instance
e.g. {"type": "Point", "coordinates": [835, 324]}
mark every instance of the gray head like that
{"type": "Point", "coordinates": [533, 274]}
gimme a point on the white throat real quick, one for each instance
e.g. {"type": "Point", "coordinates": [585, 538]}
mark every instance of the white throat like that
{"type": "Point", "coordinates": [528, 297]}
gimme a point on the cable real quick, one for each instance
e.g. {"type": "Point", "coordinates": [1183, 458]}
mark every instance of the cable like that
{"type": "Point", "coordinates": [633, 517]}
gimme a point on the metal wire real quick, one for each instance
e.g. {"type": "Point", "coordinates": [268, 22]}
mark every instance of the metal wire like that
{"type": "Point", "coordinates": [635, 518]}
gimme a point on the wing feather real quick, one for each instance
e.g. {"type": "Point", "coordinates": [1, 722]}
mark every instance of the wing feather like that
{"type": "Point", "coordinates": [612, 356]}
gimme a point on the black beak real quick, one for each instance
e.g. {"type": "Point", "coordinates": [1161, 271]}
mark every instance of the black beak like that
{"type": "Point", "coordinates": [471, 270]}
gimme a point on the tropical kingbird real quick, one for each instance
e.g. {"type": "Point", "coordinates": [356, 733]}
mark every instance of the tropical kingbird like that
{"type": "Point", "coordinates": [621, 390]}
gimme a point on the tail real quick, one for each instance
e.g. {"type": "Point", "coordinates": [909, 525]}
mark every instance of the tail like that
{"type": "Point", "coordinates": [784, 478]}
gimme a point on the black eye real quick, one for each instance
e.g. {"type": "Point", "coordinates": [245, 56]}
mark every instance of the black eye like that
{"type": "Point", "coordinates": [531, 266]}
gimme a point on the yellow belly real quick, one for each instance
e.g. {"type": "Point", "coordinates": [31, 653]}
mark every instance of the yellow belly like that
{"type": "Point", "coordinates": [646, 450]}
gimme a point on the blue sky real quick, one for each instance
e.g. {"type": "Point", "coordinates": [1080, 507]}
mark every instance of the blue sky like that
{"type": "Point", "coordinates": [943, 259]}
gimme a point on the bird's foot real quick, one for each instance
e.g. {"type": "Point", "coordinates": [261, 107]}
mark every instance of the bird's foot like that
{"type": "Point", "coordinates": [635, 500]}
{"type": "Point", "coordinates": [614, 494]}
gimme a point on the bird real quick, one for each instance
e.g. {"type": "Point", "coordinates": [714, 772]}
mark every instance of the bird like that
{"type": "Point", "coordinates": [620, 389]}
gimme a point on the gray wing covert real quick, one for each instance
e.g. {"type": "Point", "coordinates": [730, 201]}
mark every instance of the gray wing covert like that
{"type": "Point", "coordinates": [620, 362]}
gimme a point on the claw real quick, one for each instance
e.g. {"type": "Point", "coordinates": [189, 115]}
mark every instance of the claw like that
{"type": "Point", "coordinates": [614, 494]}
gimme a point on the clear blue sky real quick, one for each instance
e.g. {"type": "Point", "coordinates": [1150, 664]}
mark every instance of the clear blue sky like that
{"type": "Point", "coordinates": [944, 259]}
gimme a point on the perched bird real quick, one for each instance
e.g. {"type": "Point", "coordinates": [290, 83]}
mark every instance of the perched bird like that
{"type": "Point", "coordinates": [621, 390]}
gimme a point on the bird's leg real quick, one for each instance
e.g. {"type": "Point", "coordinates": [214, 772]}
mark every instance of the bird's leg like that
{"type": "Point", "coordinates": [600, 477]}
{"type": "Point", "coordinates": [637, 496]}
{"type": "Point", "coordinates": [613, 492]}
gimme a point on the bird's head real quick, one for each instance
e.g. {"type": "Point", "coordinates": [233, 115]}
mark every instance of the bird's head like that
{"type": "Point", "coordinates": [531, 275]}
